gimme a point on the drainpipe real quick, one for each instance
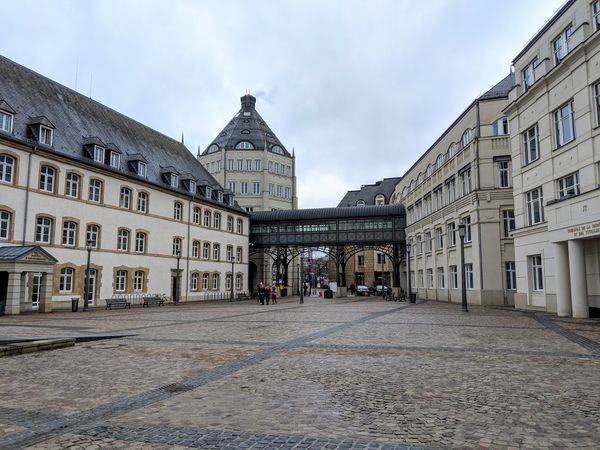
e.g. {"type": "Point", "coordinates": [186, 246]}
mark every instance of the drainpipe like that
{"type": "Point", "coordinates": [187, 256]}
{"type": "Point", "coordinates": [478, 194]}
{"type": "Point", "coordinates": [27, 187]}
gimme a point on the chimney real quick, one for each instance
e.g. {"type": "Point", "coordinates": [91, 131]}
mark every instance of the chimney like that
{"type": "Point", "coordinates": [248, 101]}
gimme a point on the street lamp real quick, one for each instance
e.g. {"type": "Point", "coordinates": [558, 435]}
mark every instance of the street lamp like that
{"type": "Point", "coordinates": [86, 288]}
{"type": "Point", "coordinates": [232, 277]}
{"type": "Point", "coordinates": [301, 282]}
{"type": "Point", "coordinates": [177, 284]}
{"type": "Point", "coordinates": [461, 234]}
{"type": "Point", "coordinates": [409, 287]}
{"type": "Point", "coordinates": [382, 268]}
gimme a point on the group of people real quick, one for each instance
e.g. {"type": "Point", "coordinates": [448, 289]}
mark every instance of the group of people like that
{"type": "Point", "coordinates": [266, 293]}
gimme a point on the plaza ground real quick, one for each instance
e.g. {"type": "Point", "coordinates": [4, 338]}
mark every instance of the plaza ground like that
{"type": "Point", "coordinates": [342, 373]}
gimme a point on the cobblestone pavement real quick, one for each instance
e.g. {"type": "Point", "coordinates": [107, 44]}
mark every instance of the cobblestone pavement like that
{"type": "Point", "coordinates": [335, 374]}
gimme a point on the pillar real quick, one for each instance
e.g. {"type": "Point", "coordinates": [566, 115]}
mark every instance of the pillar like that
{"type": "Point", "coordinates": [579, 299]}
{"type": "Point", "coordinates": [24, 297]}
{"type": "Point", "coordinates": [46, 293]}
{"type": "Point", "coordinates": [563, 280]}
{"type": "Point", "coordinates": [13, 294]}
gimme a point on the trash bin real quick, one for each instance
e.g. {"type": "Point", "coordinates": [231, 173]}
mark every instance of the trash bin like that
{"type": "Point", "coordinates": [74, 303]}
{"type": "Point", "coordinates": [328, 294]}
{"type": "Point", "coordinates": [413, 297]}
{"type": "Point", "coordinates": [284, 292]}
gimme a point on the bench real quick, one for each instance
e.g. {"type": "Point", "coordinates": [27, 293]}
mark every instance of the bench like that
{"type": "Point", "coordinates": [153, 300]}
{"type": "Point", "coordinates": [117, 301]}
{"type": "Point", "coordinates": [243, 296]}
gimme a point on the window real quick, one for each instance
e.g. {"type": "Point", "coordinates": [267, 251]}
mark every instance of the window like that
{"type": "Point", "coordinates": [464, 180]}
{"type": "Point", "coordinates": [115, 159]}
{"type": "Point", "coordinates": [270, 166]}
{"type": "Point", "coordinates": [195, 249]}
{"type": "Point", "coordinates": [244, 187]}
{"type": "Point", "coordinates": [69, 234]}
{"type": "Point", "coordinates": [238, 254]}
{"type": "Point", "coordinates": [230, 224]}
{"type": "Point", "coordinates": [380, 258]}
{"type": "Point", "coordinates": [192, 186]}
{"type": "Point", "coordinates": [240, 226]}
{"type": "Point", "coordinates": [220, 196]}
{"type": "Point", "coordinates": [453, 277]}
{"type": "Point", "coordinates": [244, 145]}
{"type": "Point", "coordinates": [451, 190]}
{"type": "Point", "coordinates": [503, 173]}
{"type": "Point", "coordinates": [428, 242]}
{"type": "Point", "coordinates": [430, 278]}
{"type": "Point", "coordinates": [439, 239]}
{"type": "Point", "coordinates": [177, 208]}
{"type": "Point", "coordinates": [500, 127]}
{"type": "Point", "coordinates": [361, 260]}
{"type": "Point", "coordinates": [279, 190]}
{"type": "Point", "coordinates": [451, 234]}
{"type": "Point", "coordinates": [72, 185]}
{"type": "Point", "coordinates": [95, 191]}
{"type": "Point", "coordinates": [47, 175]}
{"type": "Point", "coordinates": [98, 154]}
{"type": "Point", "coordinates": [419, 245]}
{"type": "Point", "coordinates": [92, 235]}
{"type": "Point", "coordinates": [7, 168]}
{"type": "Point", "coordinates": [287, 192]}
{"type": "Point", "coordinates": [537, 273]}
{"type": "Point", "coordinates": [429, 171]}
{"type": "Point", "coordinates": [427, 205]}
{"type": "Point", "coordinates": [215, 281]}
{"type": "Point", "coordinates": [231, 186]}
{"type": "Point", "coordinates": [5, 219]}
{"type": "Point", "coordinates": [140, 242]}
{"type": "Point", "coordinates": [217, 221]}
{"type": "Point", "coordinates": [469, 275]}
{"type": "Point", "coordinates": [207, 217]}
{"type": "Point", "coordinates": [229, 253]}
{"type": "Point", "coordinates": [216, 254]}
{"type": "Point", "coordinates": [228, 282]}
{"type": "Point", "coordinates": [256, 188]}
{"type": "Point", "coordinates": [530, 145]}
{"type": "Point", "coordinates": [196, 215]}
{"type": "Point", "coordinates": [535, 208]}
{"type": "Point", "coordinates": [176, 250]}
{"type": "Point", "coordinates": [271, 189]}
{"type": "Point", "coordinates": [511, 275]}
{"type": "Point", "coordinates": [248, 164]}
{"type": "Point", "coordinates": [277, 149]}
{"type": "Point", "coordinates": [421, 279]}
{"type": "Point", "coordinates": [508, 221]}
{"type": "Point", "coordinates": [230, 164]}
{"type": "Point", "coordinates": [66, 280]}
{"type": "Point", "coordinates": [560, 45]}
{"type": "Point", "coordinates": [568, 186]}
{"type": "Point", "coordinates": [451, 150]}
{"type": "Point", "coordinates": [121, 281]}
{"type": "Point", "coordinates": [238, 282]}
{"type": "Point", "coordinates": [438, 199]}
{"type": "Point", "coordinates": [596, 12]}
{"type": "Point", "coordinates": [174, 180]}
{"type": "Point", "coordinates": [142, 202]}
{"type": "Point", "coordinates": [528, 74]}
{"type": "Point", "coordinates": [205, 250]}
{"type": "Point", "coordinates": [466, 137]}
{"type": "Point", "coordinates": [439, 162]}
{"type": "Point", "coordinates": [204, 281]}
{"type": "Point", "coordinates": [142, 169]}
{"type": "Point", "coordinates": [194, 281]}
{"type": "Point", "coordinates": [208, 192]}
{"type": "Point", "coordinates": [6, 121]}
{"type": "Point", "coordinates": [45, 135]}
{"type": "Point", "coordinates": [468, 235]}
{"type": "Point", "coordinates": [125, 198]}
{"type": "Point", "coordinates": [564, 121]}
{"type": "Point", "coordinates": [123, 240]}
{"type": "Point", "coordinates": [440, 277]}
{"type": "Point", "coordinates": [43, 230]}
{"type": "Point", "coordinates": [138, 280]}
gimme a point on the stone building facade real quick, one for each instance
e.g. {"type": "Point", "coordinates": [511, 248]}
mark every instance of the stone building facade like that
{"type": "Point", "coordinates": [74, 173]}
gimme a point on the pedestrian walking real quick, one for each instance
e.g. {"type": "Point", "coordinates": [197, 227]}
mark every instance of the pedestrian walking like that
{"type": "Point", "coordinates": [274, 295]}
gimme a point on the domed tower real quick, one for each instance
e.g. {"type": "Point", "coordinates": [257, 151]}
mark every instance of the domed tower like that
{"type": "Point", "coordinates": [250, 161]}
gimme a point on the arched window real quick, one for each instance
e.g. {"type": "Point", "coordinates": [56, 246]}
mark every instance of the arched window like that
{"type": "Point", "coordinates": [466, 137]}
{"type": "Point", "coordinates": [72, 185]}
{"type": "Point", "coordinates": [69, 233]}
{"type": "Point", "coordinates": [197, 215]}
{"type": "Point", "coordinates": [7, 168]}
{"type": "Point", "coordinates": [5, 223]}
{"type": "Point", "coordinates": [240, 226]}
{"type": "Point", "coordinates": [207, 217]}
{"type": "Point", "coordinates": [452, 150]}
{"type": "Point", "coordinates": [205, 250]}
{"type": "Point", "coordinates": [229, 253]}
{"type": "Point", "coordinates": [138, 280]}
{"type": "Point", "coordinates": [204, 281]}
{"type": "Point", "coordinates": [217, 221]}
{"type": "Point", "coordinates": [66, 280]}
{"type": "Point", "coordinates": [412, 184]}
{"type": "Point", "coordinates": [142, 203]}
{"type": "Point", "coordinates": [277, 149]}
{"type": "Point", "coordinates": [380, 199]}
{"type": "Point", "coordinates": [93, 235]}
{"type": "Point", "coordinates": [213, 148]}
{"type": "Point", "coordinates": [245, 131]}
{"type": "Point", "coordinates": [47, 177]}
{"type": "Point", "coordinates": [194, 281]}
{"type": "Point", "coordinates": [419, 179]}
{"type": "Point", "coordinates": [177, 208]}
{"type": "Point", "coordinates": [440, 161]}
{"type": "Point", "coordinates": [43, 230]}
{"type": "Point", "coordinates": [196, 249]}
{"type": "Point", "coordinates": [123, 240]}
{"type": "Point", "coordinates": [238, 254]}
{"type": "Point", "coordinates": [228, 278]}
{"type": "Point", "coordinates": [121, 281]}
{"type": "Point", "coordinates": [215, 281]}
{"type": "Point", "coordinates": [230, 224]}
{"type": "Point", "coordinates": [140, 242]}
{"type": "Point", "coordinates": [429, 170]}
{"type": "Point", "coordinates": [176, 246]}
{"type": "Point", "coordinates": [124, 198]}
{"type": "Point", "coordinates": [238, 282]}
{"type": "Point", "coordinates": [360, 203]}
{"type": "Point", "coordinates": [216, 252]}
{"type": "Point", "coordinates": [244, 145]}
{"type": "Point", "coordinates": [95, 192]}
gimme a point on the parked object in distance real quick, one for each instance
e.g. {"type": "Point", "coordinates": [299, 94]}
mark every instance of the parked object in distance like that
{"type": "Point", "coordinates": [378, 289]}
{"type": "Point", "coordinates": [361, 289]}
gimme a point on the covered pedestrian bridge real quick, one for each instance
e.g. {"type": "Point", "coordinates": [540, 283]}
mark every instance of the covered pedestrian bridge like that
{"type": "Point", "coordinates": [340, 232]}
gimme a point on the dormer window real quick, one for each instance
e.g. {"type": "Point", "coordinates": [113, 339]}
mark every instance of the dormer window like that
{"type": "Point", "coordinates": [231, 200]}
{"type": "Point", "coordinates": [277, 149]}
{"type": "Point", "coordinates": [142, 169]}
{"type": "Point", "coordinates": [174, 181]}
{"type": "Point", "coordinates": [213, 148]}
{"type": "Point", "coordinates": [219, 196]}
{"type": "Point", "coordinates": [6, 121]}
{"type": "Point", "coordinates": [208, 192]}
{"type": "Point", "coordinates": [98, 154]}
{"type": "Point", "coordinates": [46, 135]}
{"type": "Point", "coordinates": [244, 145]}
{"type": "Point", "coordinates": [115, 159]}
{"type": "Point", "coordinates": [192, 186]}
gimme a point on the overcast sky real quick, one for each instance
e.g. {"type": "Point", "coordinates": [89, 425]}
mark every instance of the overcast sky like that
{"type": "Point", "coordinates": [360, 89]}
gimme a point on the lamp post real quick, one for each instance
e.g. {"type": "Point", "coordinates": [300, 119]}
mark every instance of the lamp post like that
{"type": "Point", "coordinates": [86, 287]}
{"type": "Point", "coordinates": [232, 277]}
{"type": "Point", "coordinates": [382, 268]}
{"type": "Point", "coordinates": [176, 299]}
{"type": "Point", "coordinates": [408, 286]}
{"type": "Point", "coordinates": [461, 234]}
{"type": "Point", "coordinates": [301, 282]}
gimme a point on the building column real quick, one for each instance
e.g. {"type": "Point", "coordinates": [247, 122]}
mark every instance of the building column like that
{"type": "Point", "coordinates": [24, 297]}
{"type": "Point", "coordinates": [578, 279]}
{"type": "Point", "coordinates": [563, 281]}
{"type": "Point", "coordinates": [13, 294]}
{"type": "Point", "coordinates": [46, 293]}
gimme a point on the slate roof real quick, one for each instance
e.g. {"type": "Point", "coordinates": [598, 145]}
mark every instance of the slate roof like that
{"type": "Point", "coordinates": [12, 253]}
{"type": "Point", "coordinates": [368, 192]}
{"type": "Point", "coordinates": [328, 213]}
{"type": "Point", "coordinates": [79, 120]}
{"type": "Point", "coordinates": [246, 125]}
{"type": "Point", "coordinates": [500, 89]}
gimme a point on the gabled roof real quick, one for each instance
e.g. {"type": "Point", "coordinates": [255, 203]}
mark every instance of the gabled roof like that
{"type": "Point", "coordinates": [77, 119]}
{"type": "Point", "coordinates": [368, 192]}
{"type": "Point", "coordinates": [13, 253]}
{"type": "Point", "coordinates": [500, 89]}
{"type": "Point", "coordinates": [246, 125]}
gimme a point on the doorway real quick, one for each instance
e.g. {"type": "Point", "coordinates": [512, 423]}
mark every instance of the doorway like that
{"type": "Point", "coordinates": [91, 293]}
{"type": "Point", "coordinates": [3, 291]}
{"type": "Point", "coordinates": [36, 290]}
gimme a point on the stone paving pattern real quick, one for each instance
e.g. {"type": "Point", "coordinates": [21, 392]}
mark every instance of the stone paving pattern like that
{"type": "Point", "coordinates": [339, 374]}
